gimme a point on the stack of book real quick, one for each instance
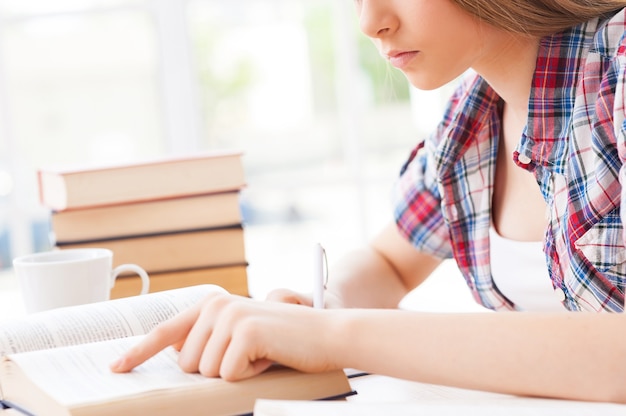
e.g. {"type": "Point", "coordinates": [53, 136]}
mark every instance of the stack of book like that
{"type": "Point", "coordinates": [178, 218]}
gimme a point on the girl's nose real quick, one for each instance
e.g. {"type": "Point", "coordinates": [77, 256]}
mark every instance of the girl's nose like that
{"type": "Point", "coordinates": [375, 20]}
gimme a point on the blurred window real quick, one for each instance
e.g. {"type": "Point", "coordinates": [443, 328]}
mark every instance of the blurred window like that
{"type": "Point", "coordinates": [78, 86]}
{"type": "Point", "coordinates": [324, 122]}
{"type": "Point", "coordinates": [29, 8]}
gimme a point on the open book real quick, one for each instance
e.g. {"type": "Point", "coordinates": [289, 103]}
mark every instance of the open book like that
{"type": "Point", "coordinates": [57, 363]}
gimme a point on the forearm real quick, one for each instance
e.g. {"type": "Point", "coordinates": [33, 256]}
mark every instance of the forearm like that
{"type": "Point", "coordinates": [570, 355]}
{"type": "Point", "coordinates": [566, 355]}
{"type": "Point", "coordinates": [381, 274]}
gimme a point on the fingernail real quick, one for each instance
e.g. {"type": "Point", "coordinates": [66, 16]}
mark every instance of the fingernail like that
{"type": "Point", "coordinates": [117, 364]}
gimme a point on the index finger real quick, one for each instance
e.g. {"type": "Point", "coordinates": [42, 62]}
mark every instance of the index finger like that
{"type": "Point", "coordinates": [165, 334]}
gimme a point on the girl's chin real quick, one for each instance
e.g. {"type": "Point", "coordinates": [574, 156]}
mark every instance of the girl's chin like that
{"type": "Point", "coordinates": [426, 84]}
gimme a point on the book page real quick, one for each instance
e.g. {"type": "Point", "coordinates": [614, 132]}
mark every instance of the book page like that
{"type": "Point", "coordinates": [75, 364]}
{"type": "Point", "coordinates": [100, 321]}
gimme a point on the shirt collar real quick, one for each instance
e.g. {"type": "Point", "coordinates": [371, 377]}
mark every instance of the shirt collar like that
{"type": "Point", "coordinates": [545, 139]}
{"type": "Point", "coordinates": [560, 60]}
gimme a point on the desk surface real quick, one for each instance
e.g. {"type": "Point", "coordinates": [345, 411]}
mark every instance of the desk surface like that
{"type": "Point", "coordinates": [382, 396]}
{"type": "Point", "coordinates": [379, 395]}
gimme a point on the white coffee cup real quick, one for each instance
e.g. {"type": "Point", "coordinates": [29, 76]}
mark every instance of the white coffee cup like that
{"type": "Point", "coordinates": [69, 277]}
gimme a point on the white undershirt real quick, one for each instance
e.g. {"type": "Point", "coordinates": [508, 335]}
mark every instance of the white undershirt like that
{"type": "Point", "coordinates": [520, 272]}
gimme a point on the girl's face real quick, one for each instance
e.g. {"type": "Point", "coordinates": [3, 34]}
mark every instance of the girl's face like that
{"type": "Point", "coordinates": [431, 41]}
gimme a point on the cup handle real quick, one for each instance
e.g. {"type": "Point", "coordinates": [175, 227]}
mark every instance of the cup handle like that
{"type": "Point", "coordinates": [145, 281]}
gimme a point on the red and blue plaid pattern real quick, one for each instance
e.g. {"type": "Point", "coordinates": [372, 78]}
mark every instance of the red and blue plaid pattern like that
{"type": "Point", "coordinates": [576, 141]}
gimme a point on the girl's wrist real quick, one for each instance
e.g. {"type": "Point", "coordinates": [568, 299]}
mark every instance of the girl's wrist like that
{"type": "Point", "coordinates": [343, 327]}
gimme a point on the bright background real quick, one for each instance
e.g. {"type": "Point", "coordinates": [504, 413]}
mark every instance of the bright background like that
{"type": "Point", "coordinates": [324, 122]}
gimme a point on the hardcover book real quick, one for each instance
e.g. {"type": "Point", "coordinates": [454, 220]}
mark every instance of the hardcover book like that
{"type": "Point", "coordinates": [61, 189]}
{"type": "Point", "coordinates": [176, 251]}
{"type": "Point", "coordinates": [147, 217]}
{"type": "Point", "coordinates": [232, 278]}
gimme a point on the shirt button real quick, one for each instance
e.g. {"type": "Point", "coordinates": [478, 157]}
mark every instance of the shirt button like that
{"type": "Point", "coordinates": [523, 159]}
{"type": "Point", "coordinates": [454, 214]}
{"type": "Point", "coordinates": [559, 294]}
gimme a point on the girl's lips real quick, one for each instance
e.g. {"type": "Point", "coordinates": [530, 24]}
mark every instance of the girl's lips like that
{"type": "Point", "coordinates": [402, 59]}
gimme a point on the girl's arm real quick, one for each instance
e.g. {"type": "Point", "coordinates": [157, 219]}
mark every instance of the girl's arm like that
{"type": "Point", "coordinates": [376, 276]}
{"type": "Point", "coordinates": [570, 355]}
{"type": "Point", "coordinates": [563, 355]}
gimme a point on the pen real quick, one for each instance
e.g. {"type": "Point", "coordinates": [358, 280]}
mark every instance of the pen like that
{"type": "Point", "coordinates": [318, 277]}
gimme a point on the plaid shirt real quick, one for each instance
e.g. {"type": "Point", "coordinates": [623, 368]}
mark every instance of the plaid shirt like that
{"type": "Point", "coordinates": [576, 142]}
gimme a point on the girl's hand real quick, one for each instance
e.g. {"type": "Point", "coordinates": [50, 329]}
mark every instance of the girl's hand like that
{"type": "Point", "coordinates": [235, 338]}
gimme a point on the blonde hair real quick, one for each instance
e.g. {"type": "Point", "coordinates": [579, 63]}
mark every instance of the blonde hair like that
{"type": "Point", "coordinates": [538, 17]}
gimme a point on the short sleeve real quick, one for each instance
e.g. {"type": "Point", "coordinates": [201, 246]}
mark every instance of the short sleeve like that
{"type": "Point", "coordinates": [417, 193]}
{"type": "Point", "coordinates": [417, 207]}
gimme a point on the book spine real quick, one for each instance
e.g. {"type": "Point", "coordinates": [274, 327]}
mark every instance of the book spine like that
{"type": "Point", "coordinates": [68, 243]}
